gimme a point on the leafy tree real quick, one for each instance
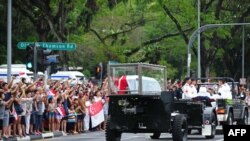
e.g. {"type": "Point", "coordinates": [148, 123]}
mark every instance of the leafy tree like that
{"type": "Point", "coordinates": [153, 31]}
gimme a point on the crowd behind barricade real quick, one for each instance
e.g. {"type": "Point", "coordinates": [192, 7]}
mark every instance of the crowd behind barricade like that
{"type": "Point", "coordinates": [34, 108]}
{"type": "Point", "coordinates": [188, 89]}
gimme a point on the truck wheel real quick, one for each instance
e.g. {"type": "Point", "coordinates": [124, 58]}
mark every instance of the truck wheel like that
{"type": "Point", "coordinates": [244, 120]}
{"type": "Point", "coordinates": [179, 128]}
{"type": "Point", "coordinates": [155, 136]}
{"type": "Point", "coordinates": [213, 128]}
{"type": "Point", "coordinates": [230, 118]}
{"type": "Point", "coordinates": [112, 135]}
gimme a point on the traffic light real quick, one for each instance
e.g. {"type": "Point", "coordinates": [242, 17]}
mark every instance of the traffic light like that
{"type": "Point", "coordinates": [42, 61]}
{"type": "Point", "coordinates": [53, 61]}
{"type": "Point", "coordinates": [30, 57]}
{"type": "Point", "coordinates": [53, 68]}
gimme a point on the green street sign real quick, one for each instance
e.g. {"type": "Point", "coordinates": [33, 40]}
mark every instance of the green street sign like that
{"type": "Point", "coordinates": [48, 45]}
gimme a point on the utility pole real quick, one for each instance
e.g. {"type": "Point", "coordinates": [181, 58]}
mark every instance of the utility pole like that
{"type": "Point", "coordinates": [243, 51]}
{"type": "Point", "coordinates": [9, 48]}
{"type": "Point", "coordinates": [199, 42]}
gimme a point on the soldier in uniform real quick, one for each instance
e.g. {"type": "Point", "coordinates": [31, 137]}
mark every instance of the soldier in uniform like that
{"type": "Point", "coordinates": [193, 86]}
{"type": "Point", "coordinates": [224, 89]}
{"type": "Point", "coordinates": [187, 89]}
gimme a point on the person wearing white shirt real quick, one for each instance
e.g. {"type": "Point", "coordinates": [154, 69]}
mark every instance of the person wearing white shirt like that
{"type": "Point", "coordinates": [213, 95]}
{"type": "Point", "coordinates": [224, 90]}
{"type": "Point", "coordinates": [26, 104]}
{"type": "Point", "coordinates": [87, 116]}
{"type": "Point", "coordinates": [187, 90]}
{"type": "Point", "coordinates": [98, 97]}
{"type": "Point", "coordinates": [203, 92]}
{"type": "Point", "coordinates": [193, 87]}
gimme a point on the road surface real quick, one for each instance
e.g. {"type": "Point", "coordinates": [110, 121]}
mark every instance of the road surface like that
{"type": "Point", "coordinates": [100, 136]}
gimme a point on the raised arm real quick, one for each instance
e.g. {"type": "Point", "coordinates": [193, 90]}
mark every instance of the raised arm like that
{"type": "Point", "coordinates": [71, 93]}
{"type": "Point", "coordinates": [56, 85]}
{"type": "Point", "coordinates": [31, 85]}
{"type": "Point", "coordinates": [10, 85]}
{"type": "Point", "coordinates": [15, 90]}
{"type": "Point", "coordinates": [23, 91]}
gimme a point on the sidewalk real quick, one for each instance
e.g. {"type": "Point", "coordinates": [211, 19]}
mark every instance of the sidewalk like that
{"type": "Point", "coordinates": [37, 137]}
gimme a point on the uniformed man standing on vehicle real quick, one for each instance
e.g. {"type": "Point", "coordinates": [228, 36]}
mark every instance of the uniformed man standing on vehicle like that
{"type": "Point", "coordinates": [187, 89]}
{"type": "Point", "coordinates": [193, 86]}
{"type": "Point", "coordinates": [224, 89]}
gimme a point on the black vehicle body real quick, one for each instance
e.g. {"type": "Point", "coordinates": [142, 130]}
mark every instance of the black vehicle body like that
{"type": "Point", "coordinates": [141, 111]}
{"type": "Point", "coordinates": [142, 114]}
{"type": "Point", "coordinates": [200, 116]}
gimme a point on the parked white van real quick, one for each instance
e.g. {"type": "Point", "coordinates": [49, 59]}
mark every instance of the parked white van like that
{"type": "Point", "coordinates": [17, 70]}
{"type": "Point", "coordinates": [68, 75]}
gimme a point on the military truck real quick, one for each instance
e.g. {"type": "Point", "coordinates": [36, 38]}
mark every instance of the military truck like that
{"type": "Point", "coordinates": [139, 103]}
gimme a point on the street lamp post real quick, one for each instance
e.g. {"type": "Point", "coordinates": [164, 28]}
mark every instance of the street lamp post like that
{"type": "Point", "coordinates": [9, 48]}
{"type": "Point", "coordinates": [203, 28]}
{"type": "Point", "coordinates": [199, 41]}
{"type": "Point", "coordinates": [243, 51]}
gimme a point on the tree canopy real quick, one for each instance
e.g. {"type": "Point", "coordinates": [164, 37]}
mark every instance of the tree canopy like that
{"type": "Point", "coordinates": [153, 31]}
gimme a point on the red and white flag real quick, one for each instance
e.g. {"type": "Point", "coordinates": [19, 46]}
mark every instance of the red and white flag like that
{"type": "Point", "coordinates": [21, 73]}
{"type": "Point", "coordinates": [61, 111]}
{"type": "Point", "coordinates": [96, 113]}
{"type": "Point", "coordinates": [52, 93]}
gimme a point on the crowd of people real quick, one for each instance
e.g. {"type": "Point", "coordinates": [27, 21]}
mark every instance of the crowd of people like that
{"type": "Point", "coordinates": [63, 105]}
{"type": "Point", "coordinates": [34, 108]}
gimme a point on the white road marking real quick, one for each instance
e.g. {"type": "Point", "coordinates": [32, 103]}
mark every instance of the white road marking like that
{"type": "Point", "coordinates": [129, 138]}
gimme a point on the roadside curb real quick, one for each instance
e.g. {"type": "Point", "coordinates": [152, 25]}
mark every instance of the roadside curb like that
{"type": "Point", "coordinates": [37, 137]}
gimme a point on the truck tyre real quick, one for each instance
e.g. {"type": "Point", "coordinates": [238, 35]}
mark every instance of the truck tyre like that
{"type": "Point", "coordinates": [155, 135]}
{"type": "Point", "coordinates": [244, 120]}
{"type": "Point", "coordinates": [213, 128]}
{"type": "Point", "coordinates": [230, 118]}
{"type": "Point", "coordinates": [112, 135]}
{"type": "Point", "coordinates": [180, 129]}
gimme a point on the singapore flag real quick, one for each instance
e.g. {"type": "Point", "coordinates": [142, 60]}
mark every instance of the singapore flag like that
{"type": "Point", "coordinates": [51, 93]}
{"type": "Point", "coordinates": [96, 113]}
{"type": "Point", "coordinates": [61, 111]}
